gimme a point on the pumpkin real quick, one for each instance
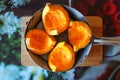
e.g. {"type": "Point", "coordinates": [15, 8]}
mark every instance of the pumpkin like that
{"type": "Point", "coordinates": [79, 34]}
{"type": "Point", "coordinates": [55, 19]}
{"type": "Point", "coordinates": [39, 42]}
{"type": "Point", "coordinates": [61, 58]}
{"type": "Point", "coordinates": [61, 55]}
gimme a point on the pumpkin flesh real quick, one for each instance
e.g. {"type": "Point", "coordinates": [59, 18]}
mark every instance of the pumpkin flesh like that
{"type": "Point", "coordinates": [55, 19]}
{"type": "Point", "coordinates": [79, 34]}
{"type": "Point", "coordinates": [39, 42]}
{"type": "Point", "coordinates": [61, 58]}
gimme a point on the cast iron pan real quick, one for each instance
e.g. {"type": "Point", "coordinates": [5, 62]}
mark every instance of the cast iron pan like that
{"type": "Point", "coordinates": [36, 22]}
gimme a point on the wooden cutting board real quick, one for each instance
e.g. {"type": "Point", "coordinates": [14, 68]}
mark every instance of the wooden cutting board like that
{"type": "Point", "coordinates": [94, 58]}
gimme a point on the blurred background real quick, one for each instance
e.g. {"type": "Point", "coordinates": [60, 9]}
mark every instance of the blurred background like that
{"type": "Point", "coordinates": [11, 13]}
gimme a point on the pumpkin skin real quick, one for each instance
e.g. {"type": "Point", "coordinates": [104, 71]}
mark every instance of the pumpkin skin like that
{"type": "Point", "coordinates": [79, 34]}
{"type": "Point", "coordinates": [39, 42]}
{"type": "Point", "coordinates": [61, 58]}
{"type": "Point", "coordinates": [55, 19]}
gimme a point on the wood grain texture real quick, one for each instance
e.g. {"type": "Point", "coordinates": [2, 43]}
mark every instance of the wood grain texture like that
{"type": "Point", "coordinates": [95, 56]}
{"type": "Point", "coordinates": [93, 59]}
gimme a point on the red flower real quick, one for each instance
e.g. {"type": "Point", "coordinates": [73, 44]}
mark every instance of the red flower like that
{"type": "Point", "coordinates": [109, 8]}
{"type": "Point", "coordinates": [116, 17]}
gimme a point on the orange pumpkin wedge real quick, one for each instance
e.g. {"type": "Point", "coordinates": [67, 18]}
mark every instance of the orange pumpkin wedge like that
{"type": "Point", "coordinates": [79, 34]}
{"type": "Point", "coordinates": [55, 19]}
{"type": "Point", "coordinates": [39, 42]}
{"type": "Point", "coordinates": [61, 58]}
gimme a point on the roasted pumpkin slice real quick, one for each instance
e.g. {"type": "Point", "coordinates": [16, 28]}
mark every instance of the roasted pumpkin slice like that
{"type": "Point", "coordinates": [39, 42]}
{"type": "Point", "coordinates": [61, 58]}
{"type": "Point", "coordinates": [79, 34]}
{"type": "Point", "coordinates": [55, 19]}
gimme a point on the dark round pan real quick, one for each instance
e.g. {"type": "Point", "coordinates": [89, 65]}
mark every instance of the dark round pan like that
{"type": "Point", "coordinates": [41, 60]}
